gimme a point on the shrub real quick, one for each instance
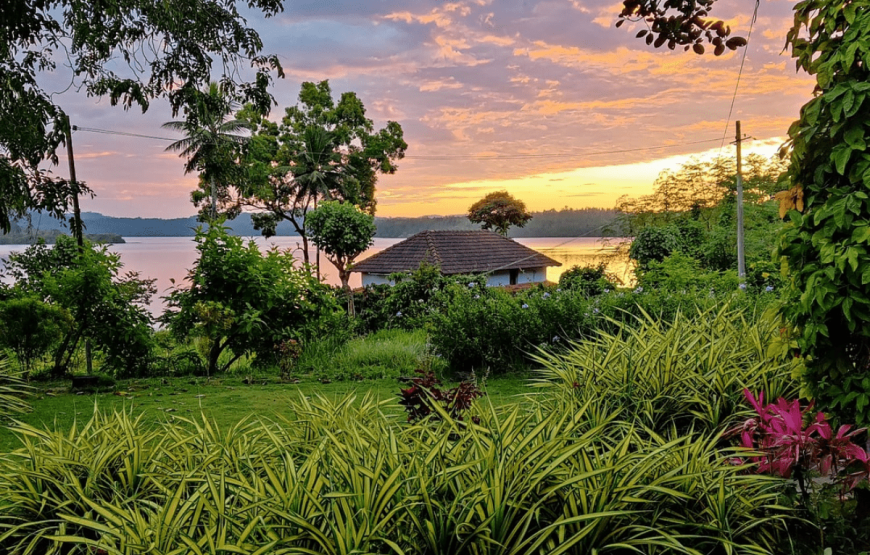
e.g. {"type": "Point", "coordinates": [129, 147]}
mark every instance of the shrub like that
{"type": "Point", "coordinates": [105, 306]}
{"type": "Point", "coordinates": [424, 399]}
{"type": "Point", "coordinates": [13, 389]}
{"type": "Point", "coordinates": [488, 328]}
{"type": "Point", "coordinates": [30, 328]}
{"type": "Point", "coordinates": [243, 301]}
{"type": "Point", "coordinates": [680, 272]}
{"type": "Point", "coordinates": [411, 301]}
{"type": "Point", "coordinates": [548, 477]}
{"type": "Point", "coordinates": [654, 244]}
{"type": "Point", "coordinates": [687, 374]}
{"type": "Point", "coordinates": [789, 441]}
{"type": "Point", "coordinates": [589, 280]}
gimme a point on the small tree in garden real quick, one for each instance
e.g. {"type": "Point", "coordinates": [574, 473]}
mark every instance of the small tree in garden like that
{"type": "Point", "coordinates": [498, 211]}
{"type": "Point", "coordinates": [105, 306]}
{"type": "Point", "coordinates": [343, 232]}
{"type": "Point", "coordinates": [243, 301]}
{"type": "Point", "coordinates": [30, 328]}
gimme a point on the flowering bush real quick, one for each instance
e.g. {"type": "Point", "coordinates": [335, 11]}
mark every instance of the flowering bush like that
{"type": "Point", "coordinates": [795, 444]}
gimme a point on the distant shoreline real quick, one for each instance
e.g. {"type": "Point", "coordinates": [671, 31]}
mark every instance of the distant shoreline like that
{"type": "Point", "coordinates": [597, 222]}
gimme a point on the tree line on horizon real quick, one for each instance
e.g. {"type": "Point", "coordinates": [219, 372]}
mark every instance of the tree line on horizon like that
{"type": "Point", "coordinates": [566, 222]}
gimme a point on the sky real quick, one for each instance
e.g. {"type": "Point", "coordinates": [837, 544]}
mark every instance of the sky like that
{"type": "Point", "coordinates": [544, 99]}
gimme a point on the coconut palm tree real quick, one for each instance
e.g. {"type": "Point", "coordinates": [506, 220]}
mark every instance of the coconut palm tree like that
{"type": "Point", "coordinates": [211, 139]}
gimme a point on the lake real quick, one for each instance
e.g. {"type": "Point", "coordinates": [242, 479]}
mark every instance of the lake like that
{"type": "Point", "coordinates": [166, 258]}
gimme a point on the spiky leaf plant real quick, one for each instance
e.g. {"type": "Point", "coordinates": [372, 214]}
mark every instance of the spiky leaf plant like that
{"type": "Point", "coordinates": [688, 374]}
{"type": "Point", "coordinates": [13, 390]}
{"type": "Point", "coordinates": [552, 475]}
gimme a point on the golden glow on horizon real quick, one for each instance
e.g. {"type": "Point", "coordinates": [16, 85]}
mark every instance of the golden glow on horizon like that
{"type": "Point", "coordinates": [590, 187]}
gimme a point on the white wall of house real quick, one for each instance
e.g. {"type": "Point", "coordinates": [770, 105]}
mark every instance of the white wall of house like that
{"type": "Point", "coordinates": [375, 279]}
{"type": "Point", "coordinates": [531, 275]}
{"type": "Point", "coordinates": [497, 279]}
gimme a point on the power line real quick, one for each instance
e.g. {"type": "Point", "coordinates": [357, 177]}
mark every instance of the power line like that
{"type": "Point", "coordinates": [739, 74]}
{"type": "Point", "coordinates": [123, 133]}
{"type": "Point", "coordinates": [470, 157]}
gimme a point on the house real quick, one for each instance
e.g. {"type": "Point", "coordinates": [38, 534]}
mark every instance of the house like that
{"type": "Point", "coordinates": [459, 252]}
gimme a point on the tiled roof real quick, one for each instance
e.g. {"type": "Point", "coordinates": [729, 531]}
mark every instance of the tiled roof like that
{"type": "Point", "coordinates": [455, 252]}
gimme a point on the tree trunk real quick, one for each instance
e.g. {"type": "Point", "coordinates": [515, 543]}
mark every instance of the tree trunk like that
{"type": "Point", "coordinates": [213, 201]}
{"type": "Point", "coordinates": [344, 276]}
{"type": "Point", "coordinates": [65, 351]}
{"type": "Point", "coordinates": [213, 355]}
{"type": "Point", "coordinates": [305, 249]}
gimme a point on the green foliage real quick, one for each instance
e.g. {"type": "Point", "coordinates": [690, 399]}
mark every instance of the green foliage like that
{"type": "Point", "coordinates": [411, 302]}
{"type": "Point", "coordinates": [693, 211]}
{"type": "Point", "coordinates": [688, 373]}
{"type": "Point", "coordinates": [104, 306]}
{"type": "Point", "coordinates": [488, 328]}
{"type": "Point", "coordinates": [554, 476]}
{"type": "Point", "coordinates": [212, 147]}
{"type": "Point", "coordinates": [321, 149]}
{"type": "Point", "coordinates": [498, 211]}
{"type": "Point", "coordinates": [243, 301]}
{"type": "Point", "coordinates": [382, 354]}
{"type": "Point", "coordinates": [825, 246]}
{"type": "Point", "coordinates": [343, 232]}
{"type": "Point", "coordinates": [98, 38]}
{"type": "Point", "coordinates": [679, 272]}
{"type": "Point", "coordinates": [654, 244]}
{"type": "Point", "coordinates": [590, 280]}
{"type": "Point", "coordinates": [13, 388]}
{"type": "Point", "coordinates": [30, 328]}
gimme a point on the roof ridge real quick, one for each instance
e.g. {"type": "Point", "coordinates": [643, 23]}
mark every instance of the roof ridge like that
{"type": "Point", "coordinates": [433, 248]}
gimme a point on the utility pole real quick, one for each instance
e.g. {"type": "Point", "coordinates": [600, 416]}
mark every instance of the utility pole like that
{"type": "Point", "coordinates": [741, 256]}
{"type": "Point", "coordinates": [77, 228]}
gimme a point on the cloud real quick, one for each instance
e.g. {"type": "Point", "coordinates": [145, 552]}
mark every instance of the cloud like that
{"type": "Point", "coordinates": [541, 97]}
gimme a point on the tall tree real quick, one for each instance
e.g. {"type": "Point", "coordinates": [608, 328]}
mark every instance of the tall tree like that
{"type": "Point", "coordinates": [321, 150]}
{"type": "Point", "coordinates": [131, 51]}
{"type": "Point", "coordinates": [498, 211]}
{"type": "Point", "coordinates": [211, 145]}
{"type": "Point", "coordinates": [344, 232]}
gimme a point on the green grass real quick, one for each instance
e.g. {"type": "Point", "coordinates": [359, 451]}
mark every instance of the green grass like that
{"type": "Point", "coordinates": [226, 400]}
{"type": "Point", "coordinates": [383, 354]}
{"type": "Point", "coordinates": [365, 364]}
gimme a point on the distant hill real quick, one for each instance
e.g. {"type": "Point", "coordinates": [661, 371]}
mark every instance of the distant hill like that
{"type": "Point", "coordinates": [588, 222]}
{"type": "Point", "coordinates": [19, 235]}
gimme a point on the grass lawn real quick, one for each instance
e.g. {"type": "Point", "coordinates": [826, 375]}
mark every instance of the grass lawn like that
{"type": "Point", "coordinates": [225, 400]}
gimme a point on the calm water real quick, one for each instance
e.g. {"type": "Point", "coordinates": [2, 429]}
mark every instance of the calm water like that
{"type": "Point", "coordinates": [166, 258]}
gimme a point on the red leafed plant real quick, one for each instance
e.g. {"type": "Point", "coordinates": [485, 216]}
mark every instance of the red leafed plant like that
{"type": "Point", "coordinates": [418, 399]}
{"type": "Point", "coordinates": [796, 444]}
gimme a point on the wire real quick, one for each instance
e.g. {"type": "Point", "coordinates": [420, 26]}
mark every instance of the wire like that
{"type": "Point", "coordinates": [122, 133]}
{"type": "Point", "coordinates": [739, 74]}
{"type": "Point", "coordinates": [449, 156]}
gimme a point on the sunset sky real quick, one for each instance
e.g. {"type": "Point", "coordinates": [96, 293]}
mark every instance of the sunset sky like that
{"type": "Point", "coordinates": [536, 97]}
